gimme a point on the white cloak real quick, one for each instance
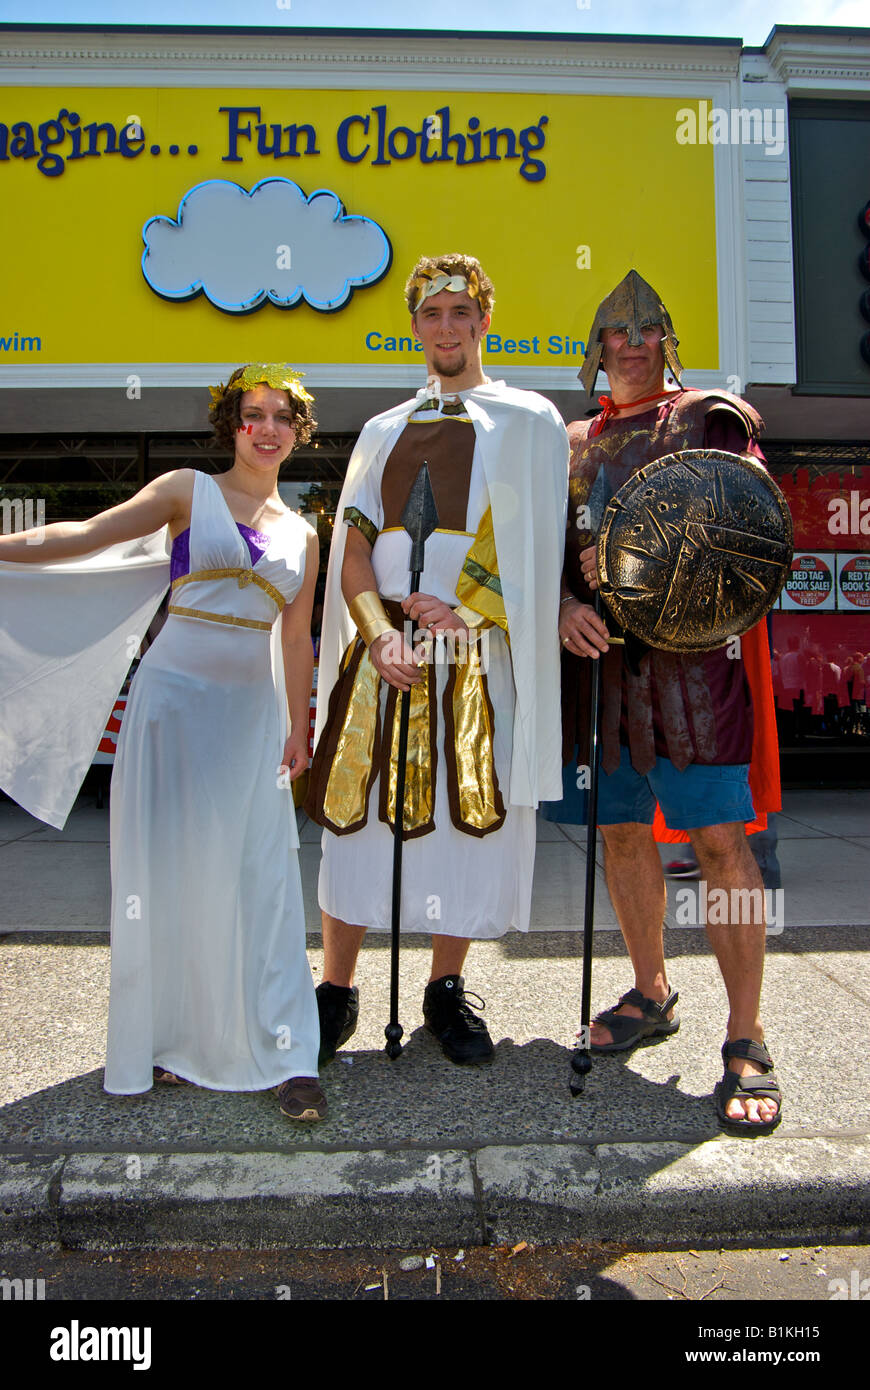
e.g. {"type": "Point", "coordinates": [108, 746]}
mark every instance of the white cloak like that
{"type": "Point", "coordinates": [525, 451]}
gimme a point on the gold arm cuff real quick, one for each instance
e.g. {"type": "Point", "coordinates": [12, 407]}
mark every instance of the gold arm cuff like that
{"type": "Point", "coordinates": [354, 517]}
{"type": "Point", "coordinates": [370, 616]}
{"type": "Point", "coordinates": [471, 619]}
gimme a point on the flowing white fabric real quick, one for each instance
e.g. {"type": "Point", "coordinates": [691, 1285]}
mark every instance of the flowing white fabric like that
{"type": "Point", "coordinates": [68, 632]}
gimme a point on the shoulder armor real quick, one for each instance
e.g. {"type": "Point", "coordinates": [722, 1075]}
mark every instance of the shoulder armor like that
{"type": "Point", "coordinates": [722, 402]}
{"type": "Point", "coordinates": [578, 430]}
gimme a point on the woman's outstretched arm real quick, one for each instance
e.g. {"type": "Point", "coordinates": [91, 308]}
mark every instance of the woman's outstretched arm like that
{"type": "Point", "coordinates": [159, 503]}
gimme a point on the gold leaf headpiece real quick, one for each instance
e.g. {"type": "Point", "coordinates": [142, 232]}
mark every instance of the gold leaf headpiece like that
{"type": "Point", "coordinates": [427, 285]}
{"type": "Point", "coordinates": [278, 375]}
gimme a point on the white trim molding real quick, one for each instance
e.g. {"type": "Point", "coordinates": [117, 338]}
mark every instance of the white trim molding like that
{"type": "Point", "coordinates": [318, 376]}
{"type": "Point", "coordinates": [820, 62]}
{"type": "Point", "coordinates": [765, 215]}
{"type": "Point", "coordinates": [425, 60]}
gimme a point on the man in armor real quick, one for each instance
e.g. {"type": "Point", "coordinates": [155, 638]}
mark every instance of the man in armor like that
{"type": "Point", "coordinates": [677, 727]}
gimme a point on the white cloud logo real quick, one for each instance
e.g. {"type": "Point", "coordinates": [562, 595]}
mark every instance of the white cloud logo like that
{"type": "Point", "coordinates": [274, 243]}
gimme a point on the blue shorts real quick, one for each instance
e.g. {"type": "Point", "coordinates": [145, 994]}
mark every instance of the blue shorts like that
{"type": "Point", "coordinates": [699, 795]}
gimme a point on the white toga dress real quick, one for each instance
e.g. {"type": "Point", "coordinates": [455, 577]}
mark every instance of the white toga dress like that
{"type": "Point", "coordinates": [211, 980]}
{"type": "Point", "coordinates": [209, 975]}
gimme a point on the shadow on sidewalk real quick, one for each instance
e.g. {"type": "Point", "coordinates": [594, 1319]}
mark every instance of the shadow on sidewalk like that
{"type": "Point", "coordinates": [421, 1101]}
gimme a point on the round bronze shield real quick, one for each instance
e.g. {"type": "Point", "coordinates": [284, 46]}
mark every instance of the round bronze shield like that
{"type": "Point", "coordinates": [694, 549]}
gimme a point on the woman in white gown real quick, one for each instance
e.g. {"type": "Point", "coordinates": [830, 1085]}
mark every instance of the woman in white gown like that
{"type": "Point", "coordinates": [209, 979]}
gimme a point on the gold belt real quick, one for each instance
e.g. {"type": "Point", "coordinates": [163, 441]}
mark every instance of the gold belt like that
{"type": "Point", "coordinates": [358, 745]}
{"type": "Point", "coordinates": [219, 617]}
{"type": "Point", "coordinates": [244, 577]}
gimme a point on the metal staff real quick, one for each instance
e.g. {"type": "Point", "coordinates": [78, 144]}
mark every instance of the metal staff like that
{"type": "Point", "coordinates": [581, 1057]}
{"type": "Point", "coordinates": [420, 518]}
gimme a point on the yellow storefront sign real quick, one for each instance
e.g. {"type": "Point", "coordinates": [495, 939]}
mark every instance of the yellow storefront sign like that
{"type": "Point", "coordinates": [167, 225]}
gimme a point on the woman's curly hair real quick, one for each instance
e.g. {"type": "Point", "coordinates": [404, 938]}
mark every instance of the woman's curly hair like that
{"type": "Point", "coordinates": [225, 415]}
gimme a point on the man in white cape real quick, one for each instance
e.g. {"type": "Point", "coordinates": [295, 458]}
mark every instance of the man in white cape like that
{"type": "Point", "coordinates": [485, 715]}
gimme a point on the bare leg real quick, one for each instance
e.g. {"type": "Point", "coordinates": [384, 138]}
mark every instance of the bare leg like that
{"type": "Point", "coordinates": [727, 862]}
{"type": "Point", "coordinates": [637, 891]}
{"type": "Point", "coordinates": [341, 943]}
{"type": "Point", "coordinates": [448, 955]}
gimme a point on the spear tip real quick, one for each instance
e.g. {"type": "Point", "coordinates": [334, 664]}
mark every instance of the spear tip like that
{"type": "Point", "coordinates": [420, 516]}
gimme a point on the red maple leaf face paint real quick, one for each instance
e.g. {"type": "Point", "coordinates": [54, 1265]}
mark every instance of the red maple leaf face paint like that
{"type": "Point", "coordinates": [245, 429]}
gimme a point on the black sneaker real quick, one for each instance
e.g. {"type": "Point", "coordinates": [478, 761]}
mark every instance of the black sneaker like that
{"type": "Point", "coordinates": [462, 1035]}
{"type": "Point", "coordinates": [338, 1009]}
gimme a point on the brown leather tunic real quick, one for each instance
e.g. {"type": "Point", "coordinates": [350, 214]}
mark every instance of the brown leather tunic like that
{"type": "Point", "coordinates": [448, 448]}
{"type": "Point", "coordinates": [686, 707]}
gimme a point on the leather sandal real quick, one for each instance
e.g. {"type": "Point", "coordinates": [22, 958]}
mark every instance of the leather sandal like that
{"type": "Point", "coordinates": [302, 1099]}
{"type": "Point", "coordinates": [161, 1074]}
{"type": "Point", "coordinates": [627, 1032]}
{"type": "Point", "coordinates": [734, 1087]}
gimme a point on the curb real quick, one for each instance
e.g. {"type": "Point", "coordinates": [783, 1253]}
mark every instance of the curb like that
{"type": "Point", "coordinates": [649, 1195]}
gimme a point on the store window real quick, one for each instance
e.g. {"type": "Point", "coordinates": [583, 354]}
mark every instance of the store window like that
{"type": "Point", "coordinates": [830, 177]}
{"type": "Point", "coordinates": [820, 629]}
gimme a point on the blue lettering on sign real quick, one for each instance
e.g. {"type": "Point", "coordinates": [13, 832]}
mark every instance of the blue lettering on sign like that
{"type": "Point", "coordinates": [558, 345]}
{"type": "Point", "coordinates": [18, 342]}
{"type": "Point", "coordinates": [370, 135]}
{"type": "Point", "coordinates": [570, 347]}
{"type": "Point", "coordinates": [60, 140]}
{"type": "Point", "coordinates": [496, 343]}
{"type": "Point", "coordinates": [343, 136]}
{"type": "Point", "coordinates": [437, 142]}
{"type": "Point", "coordinates": [376, 342]}
{"type": "Point", "coordinates": [241, 130]}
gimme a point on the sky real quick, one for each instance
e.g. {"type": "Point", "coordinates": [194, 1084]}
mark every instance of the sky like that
{"type": "Point", "coordinates": [749, 20]}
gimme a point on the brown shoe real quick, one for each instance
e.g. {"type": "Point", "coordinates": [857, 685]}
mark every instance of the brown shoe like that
{"type": "Point", "coordinates": [302, 1099]}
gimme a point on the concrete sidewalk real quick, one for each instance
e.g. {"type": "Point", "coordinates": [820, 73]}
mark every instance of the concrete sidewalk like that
{"type": "Point", "coordinates": [419, 1151]}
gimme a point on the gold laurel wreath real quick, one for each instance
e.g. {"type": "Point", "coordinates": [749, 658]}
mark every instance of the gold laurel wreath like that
{"type": "Point", "coordinates": [427, 285]}
{"type": "Point", "coordinates": [279, 375]}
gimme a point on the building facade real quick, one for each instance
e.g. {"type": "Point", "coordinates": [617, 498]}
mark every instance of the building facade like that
{"type": "Point", "coordinates": [179, 202]}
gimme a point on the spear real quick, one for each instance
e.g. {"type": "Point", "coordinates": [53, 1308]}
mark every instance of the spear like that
{"type": "Point", "coordinates": [581, 1057]}
{"type": "Point", "coordinates": [420, 518]}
